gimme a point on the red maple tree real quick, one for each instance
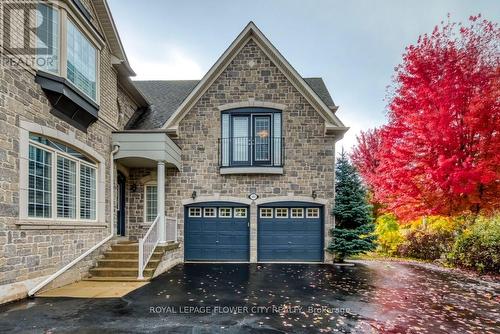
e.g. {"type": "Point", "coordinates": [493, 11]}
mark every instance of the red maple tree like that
{"type": "Point", "coordinates": [440, 151]}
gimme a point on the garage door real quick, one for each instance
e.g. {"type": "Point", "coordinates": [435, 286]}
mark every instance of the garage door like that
{"type": "Point", "coordinates": [290, 232]}
{"type": "Point", "coordinates": [216, 232]}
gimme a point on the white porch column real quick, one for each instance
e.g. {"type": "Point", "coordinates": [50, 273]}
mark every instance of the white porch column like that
{"type": "Point", "coordinates": [161, 201]}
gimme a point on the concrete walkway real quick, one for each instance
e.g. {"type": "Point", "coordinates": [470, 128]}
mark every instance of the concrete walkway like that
{"type": "Point", "coordinates": [90, 289]}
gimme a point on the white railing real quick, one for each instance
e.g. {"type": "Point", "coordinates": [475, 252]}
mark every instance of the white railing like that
{"type": "Point", "coordinates": [171, 226]}
{"type": "Point", "coordinates": [147, 245]}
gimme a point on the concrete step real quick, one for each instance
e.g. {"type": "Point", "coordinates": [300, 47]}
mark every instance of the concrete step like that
{"type": "Point", "coordinates": [168, 247]}
{"type": "Point", "coordinates": [130, 255]}
{"type": "Point", "coordinates": [132, 247]}
{"type": "Point", "coordinates": [115, 279]}
{"type": "Point", "coordinates": [125, 263]}
{"type": "Point", "coordinates": [119, 272]}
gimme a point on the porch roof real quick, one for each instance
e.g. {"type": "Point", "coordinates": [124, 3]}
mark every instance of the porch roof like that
{"type": "Point", "coordinates": [145, 148]}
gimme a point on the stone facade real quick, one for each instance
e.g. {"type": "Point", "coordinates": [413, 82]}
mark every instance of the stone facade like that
{"type": "Point", "coordinates": [309, 154]}
{"type": "Point", "coordinates": [31, 254]}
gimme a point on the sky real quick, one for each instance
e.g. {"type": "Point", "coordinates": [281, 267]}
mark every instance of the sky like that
{"type": "Point", "coordinates": [354, 45]}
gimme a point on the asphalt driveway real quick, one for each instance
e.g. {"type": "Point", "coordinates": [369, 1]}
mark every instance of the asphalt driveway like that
{"type": "Point", "coordinates": [370, 297]}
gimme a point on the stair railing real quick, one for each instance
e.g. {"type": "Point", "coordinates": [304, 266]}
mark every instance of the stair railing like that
{"type": "Point", "coordinates": [147, 245]}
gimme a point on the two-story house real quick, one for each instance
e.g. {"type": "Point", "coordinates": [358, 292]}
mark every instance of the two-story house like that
{"type": "Point", "coordinates": [238, 166]}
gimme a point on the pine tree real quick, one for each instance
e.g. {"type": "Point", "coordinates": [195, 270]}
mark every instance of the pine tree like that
{"type": "Point", "coordinates": [353, 232]}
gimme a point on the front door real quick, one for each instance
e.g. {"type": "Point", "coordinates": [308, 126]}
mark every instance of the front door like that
{"type": "Point", "coordinates": [120, 211]}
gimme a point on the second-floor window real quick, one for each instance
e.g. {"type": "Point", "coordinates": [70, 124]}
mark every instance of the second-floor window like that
{"type": "Point", "coordinates": [251, 137]}
{"type": "Point", "coordinates": [68, 53]}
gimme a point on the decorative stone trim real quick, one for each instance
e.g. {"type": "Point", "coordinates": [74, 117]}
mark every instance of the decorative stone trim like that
{"type": "Point", "coordinates": [291, 198]}
{"type": "Point", "coordinates": [152, 177]}
{"type": "Point", "coordinates": [251, 103]}
{"type": "Point", "coordinates": [202, 199]}
{"type": "Point", "coordinates": [58, 225]}
{"type": "Point", "coordinates": [251, 170]}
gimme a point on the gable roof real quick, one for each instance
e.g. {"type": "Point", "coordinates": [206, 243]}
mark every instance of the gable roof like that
{"type": "Point", "coordinates": [167, 95]}
{"type": "Point", "coordinates": [251, 32]}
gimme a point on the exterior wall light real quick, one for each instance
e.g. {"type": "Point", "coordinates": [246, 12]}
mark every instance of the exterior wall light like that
{"type": "Point", "coordinates": [193, 195]}
{"type": "Point", "coordinates": [314, 194]}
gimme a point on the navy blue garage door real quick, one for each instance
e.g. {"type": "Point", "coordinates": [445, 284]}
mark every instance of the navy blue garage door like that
{"type": "Point", "coordinates": [291, 231]}
{"type": "Point", "coordinates": [216, 232]}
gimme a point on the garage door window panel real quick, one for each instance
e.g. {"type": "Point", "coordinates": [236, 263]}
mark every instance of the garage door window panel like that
{"type": "Point", "coordinates": [225, 213]}
{"type": "Point", "coordinates": [209, 212]}
{"type": "Point", "coordinates": [312, 212]}
{"type": "Point", "coordinates": [297, 213]}
{"type": "Point", "coordinates": [281, 213]}
{"type": "Point", "coordinates": [266, 213]}
{"type": "Point", "coordinates": [240, 212]}
{"type": "Point", "coordinates": [194, 212]}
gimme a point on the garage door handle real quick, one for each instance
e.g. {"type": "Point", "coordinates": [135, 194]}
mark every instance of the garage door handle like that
{"type": "Point", "coordinates": [289, 242]}
{"type": "Point", "coordinates": [217, 242]}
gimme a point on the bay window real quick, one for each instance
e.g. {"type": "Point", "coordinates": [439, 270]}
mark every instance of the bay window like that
{"type": "Point", "coordinates": [81, 61]}
{"type": "Point", "coordinates": [62, 181]}
{"type": "Point", "coordinates": [71, 54]}
{"type": "Point", "coordinates": [251, 137]}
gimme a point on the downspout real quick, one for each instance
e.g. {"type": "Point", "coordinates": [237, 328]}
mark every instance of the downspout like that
{"type": "Point", "coordinates": [58, 273]}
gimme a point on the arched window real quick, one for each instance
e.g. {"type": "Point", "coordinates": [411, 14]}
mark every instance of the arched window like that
{"type": "Point", "coordinates": [62, 181]}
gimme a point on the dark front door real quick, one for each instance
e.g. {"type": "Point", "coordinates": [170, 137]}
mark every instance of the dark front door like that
{"type": "Point", "coordinates": [217, 232]}
{"type": "Point", "coordinates": [120, 211]}
{"type": "Point", "coordinates": [290, 232]}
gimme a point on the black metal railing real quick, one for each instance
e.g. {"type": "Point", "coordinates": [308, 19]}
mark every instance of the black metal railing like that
{"type": "Point", "coordinates": [251, 151]}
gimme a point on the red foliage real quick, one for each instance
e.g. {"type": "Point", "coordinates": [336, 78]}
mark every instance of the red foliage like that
{"type": "Point", "coordinates": [440, 151]}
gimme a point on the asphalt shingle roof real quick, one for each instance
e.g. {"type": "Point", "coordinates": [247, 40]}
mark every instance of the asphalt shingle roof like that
{"type": "Point", "coordinates": [166, 96]}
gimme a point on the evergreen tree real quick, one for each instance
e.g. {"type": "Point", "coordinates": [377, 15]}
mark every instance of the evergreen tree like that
{"type": "Point", "coordinates": [353, 232]}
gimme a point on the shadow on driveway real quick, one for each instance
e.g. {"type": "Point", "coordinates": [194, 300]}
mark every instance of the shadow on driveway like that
{"type": "Point", "coordinates": [246, 298]}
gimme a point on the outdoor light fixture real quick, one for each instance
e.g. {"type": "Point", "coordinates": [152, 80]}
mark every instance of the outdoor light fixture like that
{"type": "Point", "coordinates": [193, 195]}
{"type": "Point", "coordinates": [314, 195]}
{"type": "Point", "coordinates": [253, 196]}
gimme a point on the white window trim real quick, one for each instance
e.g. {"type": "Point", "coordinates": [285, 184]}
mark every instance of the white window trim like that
{"type": "Point", "coordinates": [148, 184]}
{"type": "Point", "coordinates": [234, 212]}
{"type": "Point", "coordinates": [55, 154]}
{"type": "Point", "coordinates": [25, 128]}
{"type": "Point", "coordinates": [281, 217]}
{"type": "Point", "coordinates": [313, 216]}
{"type": "Point", "coordinates": [208, 216]}
{"type": "Point", "coordinates": [65, 14]}
{"type": "Point", "coordinates": [268, 217]}
{"type": "Point", "coordinates": [301, 213]}
{"type": "Point", "coordinates": [194, 216]}
{"type": "Point", "coordinates": [230, 210]}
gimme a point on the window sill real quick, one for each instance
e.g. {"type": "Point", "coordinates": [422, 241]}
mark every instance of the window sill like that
{"type": "Point", "coordinates": [251, 170]}
{"type": "Point", "coordinates": [58, 225]}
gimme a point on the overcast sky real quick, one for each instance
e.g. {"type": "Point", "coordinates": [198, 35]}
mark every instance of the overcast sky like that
{"type": "Point", "coordinates": [353, 45]}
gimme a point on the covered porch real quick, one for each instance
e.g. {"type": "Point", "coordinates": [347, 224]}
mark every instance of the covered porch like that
{"type": "Point", "coordinates": [154, 152]}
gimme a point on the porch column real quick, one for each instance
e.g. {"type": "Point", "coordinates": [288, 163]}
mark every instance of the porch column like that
{"type": "Point", "coordinates": [161, 201]}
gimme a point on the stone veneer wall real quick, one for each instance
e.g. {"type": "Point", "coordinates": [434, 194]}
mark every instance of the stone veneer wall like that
{"type": "Point", "coordinates": [27, 256]}
{"type": "Point", "coordinates": [310, 155]}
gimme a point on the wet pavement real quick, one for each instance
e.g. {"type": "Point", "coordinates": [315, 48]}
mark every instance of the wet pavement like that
{"type": "Point", "coordinates": [371, 297]}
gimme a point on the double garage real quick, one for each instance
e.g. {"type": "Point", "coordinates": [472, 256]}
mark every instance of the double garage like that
{"type": "Point", "coordinates": [286, 232]}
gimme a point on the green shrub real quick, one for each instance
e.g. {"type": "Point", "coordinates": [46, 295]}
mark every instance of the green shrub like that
{"type": "Point", "coordinates": [389, 236]}
{"type": "Point", "coordinates": [478, 247]}
{"type": "Point", "coordinates": [426, 244]}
